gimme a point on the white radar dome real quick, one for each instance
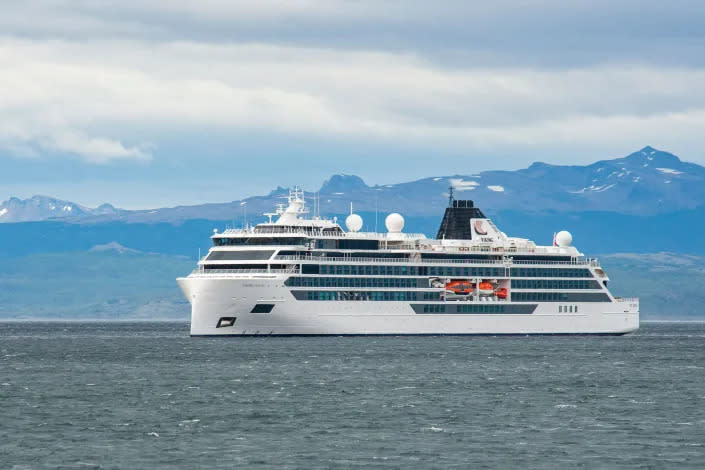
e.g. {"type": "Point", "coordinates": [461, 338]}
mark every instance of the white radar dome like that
{"type": "Point", "coordinates": [564, 239]}
{"type": "Point", "coordinates": [353, 222]}
{"type": "Point", "coordinates": [394, 223]}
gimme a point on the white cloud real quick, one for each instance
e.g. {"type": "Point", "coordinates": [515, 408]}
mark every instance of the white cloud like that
{"type": "Point", "coordinates": [95, 149]}
{"type": "Point", "coordinates": [97, 100]}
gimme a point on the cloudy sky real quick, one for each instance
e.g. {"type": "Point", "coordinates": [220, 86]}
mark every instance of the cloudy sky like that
{"type": "Point", "coordinates": [161, 103]}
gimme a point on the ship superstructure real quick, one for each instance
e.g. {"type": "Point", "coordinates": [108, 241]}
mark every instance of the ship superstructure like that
{"type": "Point", "coordinates": [308, 276]}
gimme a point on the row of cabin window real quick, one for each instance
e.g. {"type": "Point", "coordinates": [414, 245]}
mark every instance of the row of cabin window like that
{"type": "Point", "coordinates": [360, 295]}
{"type": "Point", "coordinates": [374, 270]}
{"type": "Point", "coordinates": [321, 244]}
{"type": "Point", "coordinates": [352, 282]}
{"type": "Point", "coordinates": [434, 308]}
{"type": "Point", "coordinates": [567, 309]}
{"type": "Point", "coordinates": [451, 271]}
{"type": "Point", "coordinates": [259, 241]}
{"type": "Point", "coordinates": [559, 296]}
{"type": "Point", "coordinates": [550, 272]}
{"type": "Point", "coordinates": [438, 308]}
{"type": "Point", "coordinates": [554, 284]}
{"type": "Point", "coordinates": [481, 308]}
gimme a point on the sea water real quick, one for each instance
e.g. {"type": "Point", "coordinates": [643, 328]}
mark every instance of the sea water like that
{"type": "Point", "coordinates": [146, 395]}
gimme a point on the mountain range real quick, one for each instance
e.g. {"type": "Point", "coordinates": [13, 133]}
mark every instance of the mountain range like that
{"type": "Point", "coordinates": [645, 183]}
{"type": "Point", "coordinates": [106, 262]}
{"type": "Point", "coordinates": [39, 208]}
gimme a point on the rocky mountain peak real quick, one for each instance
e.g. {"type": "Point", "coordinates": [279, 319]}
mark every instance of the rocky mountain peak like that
{"type": "Point", "coordinates": [343, 183]}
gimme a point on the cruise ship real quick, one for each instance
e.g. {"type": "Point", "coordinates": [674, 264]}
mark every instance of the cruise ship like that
{"type": "Point", "coordinates": [299, 275]}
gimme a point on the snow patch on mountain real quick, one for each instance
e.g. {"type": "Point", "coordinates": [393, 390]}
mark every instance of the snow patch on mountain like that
{"type": "Point", "coordinates": [460, 184]}
{"type": "Point", "coordinates": [669, 171]}
{"type": "Point", "coordinates": [593, 188]}
{"type": "Point", "coordinates": [113, 246]}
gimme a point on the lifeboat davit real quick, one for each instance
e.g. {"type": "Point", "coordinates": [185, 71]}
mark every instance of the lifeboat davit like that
{"type": "Point", "coordinates": [501, 293]}
{"type": "Point", "coordinates": [460, 287]}
{"type": "Point", "coordinates": [485, 288]}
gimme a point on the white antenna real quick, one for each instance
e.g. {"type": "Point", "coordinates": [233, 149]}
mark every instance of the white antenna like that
{"type": "Point", "coordinates": [351, 211]}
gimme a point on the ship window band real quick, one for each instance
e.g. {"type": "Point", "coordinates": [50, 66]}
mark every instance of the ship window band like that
{"type": "Point", "coordinates": [239, 241]}
{"type": "Point", "coordinates": [434, 308]}
{"type": "Point", "coordinates": [555, 284]}
{"type": "Point", "coordinates": [244, 267]}
{"type": "Point", "coordinates": [376, 270]}
{"type": "Point", "coordinates": [475, 308]}
{"type": "Point", "coordinates": [560, 297]}
{"type": "Point", "coordinates": [262, 308]}
{"type": "Point", "coordinates": [355, 295]}
{"type": "Point", "coordinates": [550, 272]}
{"type": "Point", "coordinates": [323, 281]}
{"type": "Point", "coordinates": [239, 255]}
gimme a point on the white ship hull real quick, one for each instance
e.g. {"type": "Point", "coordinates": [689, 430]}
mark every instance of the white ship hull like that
{"type": "Point", "coordinates": [214, 297]}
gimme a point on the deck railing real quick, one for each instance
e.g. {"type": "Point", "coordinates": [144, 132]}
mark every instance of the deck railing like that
{"type": "Point", "coordinates": [316, 232]}
{"type": "Point", "coordinates": [419, 260]}
{"type": "Point", "coordinates": [202, 270]}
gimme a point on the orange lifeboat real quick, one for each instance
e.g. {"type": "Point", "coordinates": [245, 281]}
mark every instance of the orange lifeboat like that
{"type": "Point", "coordinates": [485, 288]}
{"type": "Point", "coordinates": [501, 293]}
{"type": "Point", "coordinates": [460, 287]}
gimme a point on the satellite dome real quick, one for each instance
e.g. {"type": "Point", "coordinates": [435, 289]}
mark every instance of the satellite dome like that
{"type": "Point", "coordinates": [564, 239]}
{"type": "Point", "coordinates": [394, 223]}
{"type": "Point", "coordinates": [353, 222]}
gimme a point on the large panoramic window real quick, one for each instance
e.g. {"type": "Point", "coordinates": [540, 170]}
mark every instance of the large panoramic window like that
{"type": "Point", "coordinates": [239, 255]}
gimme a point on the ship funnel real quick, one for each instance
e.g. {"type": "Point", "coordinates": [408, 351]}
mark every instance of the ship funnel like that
{"type": "Point", "coordinates": [456, 220]}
